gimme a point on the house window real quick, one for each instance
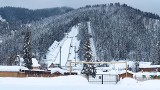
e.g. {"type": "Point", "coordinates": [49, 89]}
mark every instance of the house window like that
{"type": "Point", "coordinates": [99, 77]}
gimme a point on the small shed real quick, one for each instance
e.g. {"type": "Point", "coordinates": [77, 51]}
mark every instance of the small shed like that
{"type": "Point", "coordinates": [12, 71]}
{"type": "Point", "coordinates": [123, 74]}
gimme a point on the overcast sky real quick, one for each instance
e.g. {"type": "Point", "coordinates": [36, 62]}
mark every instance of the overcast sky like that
{"type": "Point", "coordinates": [145, 5]}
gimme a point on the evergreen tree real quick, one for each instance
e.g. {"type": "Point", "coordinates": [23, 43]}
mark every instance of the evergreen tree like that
{"type": "Point", "coordinates": [88, 69]}
{"type": "Point", "coordinates": [27, 51]}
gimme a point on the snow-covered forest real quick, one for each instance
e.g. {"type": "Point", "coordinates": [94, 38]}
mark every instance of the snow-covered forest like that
{"type": "Point", "coordinates": [119, 32]}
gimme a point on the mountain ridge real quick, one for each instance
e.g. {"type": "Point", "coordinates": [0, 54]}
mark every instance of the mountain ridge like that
{"type": "Point", "coordinates": [119, 31]}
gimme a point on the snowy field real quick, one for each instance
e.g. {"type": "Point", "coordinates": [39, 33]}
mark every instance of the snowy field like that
{"type": "Point", "coordinates": [73, 83]}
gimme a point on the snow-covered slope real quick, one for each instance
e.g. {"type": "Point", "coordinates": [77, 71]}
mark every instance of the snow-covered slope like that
{"type": "Point", "coordinates": [65, 49]}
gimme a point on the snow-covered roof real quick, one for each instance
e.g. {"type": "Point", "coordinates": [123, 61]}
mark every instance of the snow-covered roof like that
{"type": "Point", "coordinates": [12, 68]}
{"type": "Point", "coordinates": [109, 72]}
{"type": "Point", "coordinates": [35, 62]}
{"type": "Point", "coordinates": [150, 66]}
{"type": "Point", "coordinates": [124, 71]}
{"type": "Point", "coordinates": [53, 70]}
{"type": "Point", "coordinates": [144, 64]}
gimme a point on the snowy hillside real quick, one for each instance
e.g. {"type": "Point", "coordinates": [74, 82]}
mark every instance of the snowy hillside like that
{"type": "Point", "coordinates": [65, 49]}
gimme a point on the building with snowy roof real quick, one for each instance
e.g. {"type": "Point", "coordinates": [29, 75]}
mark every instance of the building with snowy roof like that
{"type": "Point", "coordinates": [150, 68]}
{"type": "Point", "coordinates": [12, 71]}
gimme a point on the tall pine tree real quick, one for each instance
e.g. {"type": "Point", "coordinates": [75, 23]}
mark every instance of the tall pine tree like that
{"type": "Point", "coordinates": [88, 69]}
{"type": "Point", "coordinates": [27, 50]}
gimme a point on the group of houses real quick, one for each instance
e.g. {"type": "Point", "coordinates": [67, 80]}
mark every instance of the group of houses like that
{"type": "Point", "coordinates": [109, 74]}
{"type": "Point", "coordinates": [115, 72]}
{"type": "Point", "coordinates": [21, 71]}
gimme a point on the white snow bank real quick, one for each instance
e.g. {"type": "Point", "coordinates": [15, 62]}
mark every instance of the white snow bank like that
{"type": "Point", "coordinates": [73, 83]}
{"type": "Point", "coordinates": [151, 83]}
{"type": "Point", "coordinates": [128, 82]}
{"type": "Point", "coordinates": [34, 81]}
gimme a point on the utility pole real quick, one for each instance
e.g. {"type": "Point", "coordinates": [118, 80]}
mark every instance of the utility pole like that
{"type": "Point", "coordinates": [75, 55]}
{"type": "Point", "coordinates": [60, 56]}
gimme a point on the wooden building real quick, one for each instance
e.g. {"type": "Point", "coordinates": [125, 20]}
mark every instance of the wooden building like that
{"type": "Point", "coordinates": [12, 71]}
{"type": "Point", "coordinates": [123, 74]}
{"type": "Point", "coordinates": [150, 68]}
{"type": "Point", "coordinates": [20, 71]}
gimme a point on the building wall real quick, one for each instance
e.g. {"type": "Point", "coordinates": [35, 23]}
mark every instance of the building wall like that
{"type": "Point", "coordinates": [8, 74]}
{"type": "Point", "coordinates": [149, 69]}
{"type": "Point", "coordinates": [23, 74]}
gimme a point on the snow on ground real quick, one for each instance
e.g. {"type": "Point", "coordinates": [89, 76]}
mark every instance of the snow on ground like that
{"type": "Point", "coordinates": [73, 83]}
{"type": "Point", "coordinates": [69, 45]}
